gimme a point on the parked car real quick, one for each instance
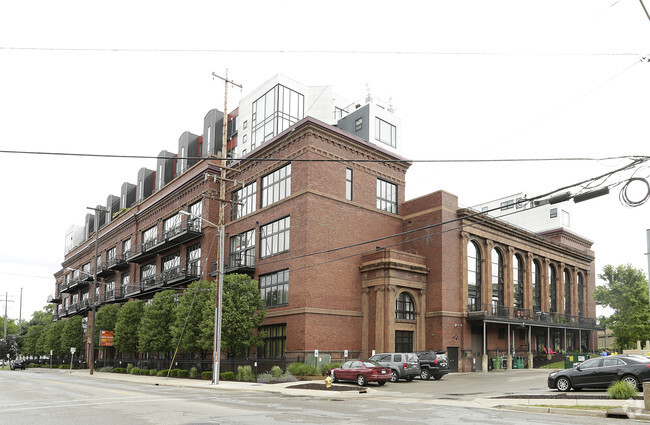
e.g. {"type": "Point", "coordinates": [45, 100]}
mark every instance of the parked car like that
{"type": "Point", "coordinates": [402, 365]}
{"type": "Point", "coordinates": [433, 364]}
{"type": "Point", "coordinates": [17, 364]}
{"type": "Point", "coordinates": [601, 372]}
{"type": "Point", "coordinates": [361, 371]}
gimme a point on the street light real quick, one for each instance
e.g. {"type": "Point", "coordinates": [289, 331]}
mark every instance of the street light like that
{"type": "Point", "coordinates": [218, 304]}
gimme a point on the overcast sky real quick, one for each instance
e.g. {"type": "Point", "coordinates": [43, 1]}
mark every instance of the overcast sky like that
{"type": "Point", "coordinates": [470, 80]}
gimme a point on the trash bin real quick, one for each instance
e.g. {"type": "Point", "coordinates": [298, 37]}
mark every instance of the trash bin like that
{"type": "Point", "coordinates": [515, 363]}
{"type": "Point", "coordinates": [496, 363]}
{"type": "Point", "coordinates": [520, 362]}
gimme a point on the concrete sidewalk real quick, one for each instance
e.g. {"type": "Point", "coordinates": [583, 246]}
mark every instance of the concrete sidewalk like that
{"type": "Point", "coordinates": [633, 409]}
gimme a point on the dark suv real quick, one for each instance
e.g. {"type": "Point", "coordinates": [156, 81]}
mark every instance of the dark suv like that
{"type": "Point", "coordinates": [17, 364]}
{"type": "Point", "coordinates": [433, 364]}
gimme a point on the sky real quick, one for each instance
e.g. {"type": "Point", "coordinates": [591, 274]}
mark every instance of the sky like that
{"type": "Point", "coordinates": [504, 79]}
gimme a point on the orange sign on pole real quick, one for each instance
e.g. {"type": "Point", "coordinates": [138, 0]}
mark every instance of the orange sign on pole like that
{"type": "Point", "coordinates": [106, 338]}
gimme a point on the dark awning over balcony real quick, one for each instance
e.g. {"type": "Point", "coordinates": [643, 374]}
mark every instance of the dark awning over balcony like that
{"type": "Point", "coordinates": [184, 232]}
{"type": "Point", "coordinates": [524, 316]}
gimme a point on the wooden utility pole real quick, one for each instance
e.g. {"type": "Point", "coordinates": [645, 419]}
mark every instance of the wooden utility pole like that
{"type": "Point", "coordinates": [222, 236]}
{"type": "Point", "coordinates": [6, 300]}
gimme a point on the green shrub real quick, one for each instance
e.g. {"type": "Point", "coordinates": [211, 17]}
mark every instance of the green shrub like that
{"type": "Point", "coordinates": [245, 373]}
{"type": "Point", "coordinates": [63, 366]}
{"type": "Point", "coordinates": [153, 372]}
{"type": "Point", "coordinates": [120, 370]}
{"type": "Point", "coordinates": [225, 376]}
{"type": "Point", "coordinates": [302, 369]}
{"type": "Point", "coordinates": [107, 369]}
{"type": "Point", "coordinates": [208, 375]}
{"type": "Point", "coordinates": [276, 371]}
{"type": "Point", "coordinates": [621, 390]}
{"type": "Point", "coordinates": [194, 373]}
{"type": "Point", "coordinates": [182, 373]}
{"type": "Point", "coordinates": [134, 370]}
{"type": "Point", "coordinates": [173, 372]}
{"type": "Point", "coordinates": [328, 366]}
{"type": "Point", "coordinates": [129, 367]}
{"type": "Point", "coordinates": [162, 373]}
{"type": "Point", "coordinates": [268, 378]}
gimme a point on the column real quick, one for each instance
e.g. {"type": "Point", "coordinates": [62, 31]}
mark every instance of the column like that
{"type": "Point", "coordinates": [486, 278]}
{"type": "Point", "coordinates": [365, 323]}
{"type": "Point", "coordinates": [379, 319]}
{"type": "Point", "coordinates": [528, 281]}
{"type": "Point", "coordinates": [463, 267]}
{"type": "Point", "coordinates": [391, 298]}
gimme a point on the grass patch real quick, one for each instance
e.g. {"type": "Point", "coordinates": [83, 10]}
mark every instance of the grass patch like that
{"type": "Point", "coordinates": [556, 365]}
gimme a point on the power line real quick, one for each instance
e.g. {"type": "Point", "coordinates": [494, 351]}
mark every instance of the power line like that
{"type": "Point", "coordinates": [319, 52]}
{"type": "Point", "coordinates": [452, 160]}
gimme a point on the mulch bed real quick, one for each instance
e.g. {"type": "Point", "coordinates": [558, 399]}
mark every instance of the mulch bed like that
{"type": "Point", "coordinates": [319, 386]}
{"type": "Point", "coordinates": [561, 396]}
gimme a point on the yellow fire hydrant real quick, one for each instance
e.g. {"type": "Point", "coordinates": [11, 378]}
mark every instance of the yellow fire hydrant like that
{"type": "Point", "coordinates": [328, 381]}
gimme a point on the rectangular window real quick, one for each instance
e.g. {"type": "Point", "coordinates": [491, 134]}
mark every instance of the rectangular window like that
{"type": "Point", "coordinates": [149, 237]}
{"type": "Point", "coordinates": [194, 260]}
{"type": "Point", "coordinates": [566, 219]}
{"type": "Point", "coordinates": [506, 205]}
{"type": "Point", "coordinates": [246, 198]}
{"type": "Point", "coordinates": [274, 237]}
{"type": "Point", "coordinates": [386, 196]}
{"type": "Point", "coordinates": [245, 125]}
{"type": "Point", "coordinates": [358, 124]}
{"type": "Point", "coordinates": [385, 132]}
{"type": "Point", "coordinates": [242, 249]}
{"type": "Point", "coordinates": [194, 220]}
{"type": "Point", "coordinates": [553, 213]}
{"type": "Point", "coordinates": [126, 248]}
{"type": "Point", "coordinates": [276, 186]}
{"type": "Point", "coordinates": [274, 112]}
{"type": "Point", "coordinates": [274, 288]}
{"type": "Point", "coordinates": [172, 226]}
{"type": "Point", "coordinates": [160, 176]}
{"type": "Point", "coordinates": [148, 274]}
{"type": "Point", "coordinates": [171, 265]}
{"type": "Point", "coordinates": [348, 184]}
{"type": "Point", "coordinates": [275, 337]}
{"type": "Point", "coordinates": [110, 255]}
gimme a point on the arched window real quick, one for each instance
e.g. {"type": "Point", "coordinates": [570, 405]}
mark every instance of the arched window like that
{"type": "Point", "coordinates": [473, 277]}
{"type": "Point", "coordinates": [404, 307]}
{"type": "Point", "coordinates": [537, 286]}
{"type": "Point", "coordinates": [567, 292]}
{"type": "Point", "coordinates": [497, 281]}
{"type": "Point", "coordinates": [581, 295]}
{"type": "Point", "coordinates": [552, 285]}
{"type": "Point", "coordinates": [518, 281]}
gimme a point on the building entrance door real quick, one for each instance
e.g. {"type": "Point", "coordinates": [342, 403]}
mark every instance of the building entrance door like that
{"type": "Point", "coordinates": [403, 341]}
{"type": "Point", "coordinates": [452, 354]}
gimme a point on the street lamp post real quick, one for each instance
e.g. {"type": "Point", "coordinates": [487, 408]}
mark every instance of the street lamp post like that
{"type": "Point", "coordinates": [218, 304]}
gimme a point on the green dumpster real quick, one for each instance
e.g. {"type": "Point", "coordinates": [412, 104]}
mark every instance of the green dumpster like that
{"type": "Point", "coordinates": [496, 362]}
{"type": "Point", "coordinates": [520, 362]}
{"type": "Point", "coordinates": [514, 363]}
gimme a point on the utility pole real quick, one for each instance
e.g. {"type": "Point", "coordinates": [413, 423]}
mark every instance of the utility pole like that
{"type": "Point", "coordinates": [6, 300]}
{"type": "Point", "coordinates": [222, 235]}
{"type": "Point", "coordinates": [91, 329]}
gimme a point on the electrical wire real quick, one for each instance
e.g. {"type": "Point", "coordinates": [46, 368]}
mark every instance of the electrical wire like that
{"type": "Point", "coordinates": [624, 196]}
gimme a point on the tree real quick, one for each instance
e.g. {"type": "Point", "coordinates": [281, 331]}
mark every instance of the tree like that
{"type": "Point", "coordinates": [8, 346]}
{"type": "Point", "coordinates": [125, 338]}
{"type": "Point", "coordinates": [12, 327]}
{"type": "Point", "coordinates": [53, 338]}
{"type": "Point", "coordinates": [626, 292]}
{"type": "Point", "coordinates": [32, 345]}
{"type": "Point", "coordinates": [155, 329]}
{"type": "Point", "coordinates": [188, 324]}
{"type": "Point", "coordinates": [106, 320]}
{"type": "Point", "coordinates": [242, 314]}
{"type": "Point", "coordinates": [72, 334]}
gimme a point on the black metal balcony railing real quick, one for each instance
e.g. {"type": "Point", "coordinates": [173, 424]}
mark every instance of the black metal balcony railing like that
{"type": "Point", "coordinates": [242, 261]}
{"type": "Point", "coordinates": [109, 295]}
{"type": "Point", "coordinates": [517, 314]}
{"type": "Point", "coordinates": [54, 299]}
{"type": "Point", "coordinates": [73, 308]}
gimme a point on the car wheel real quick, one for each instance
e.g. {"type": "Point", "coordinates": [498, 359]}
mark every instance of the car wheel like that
{"type": "Point", "coordinates": [361, 380]}
{"type": "Point", "coordinates": [632, 381]}
{"type": "Point", "coordinates": [381, 383]}
{"type": "Point", "coordinates": [437, 377]}
{"type": "Point", "coordinates": [424, 374]}
{"type": "Point", "coordinates": [334, 378]}
{"type": "Point", "coordinates": [395, 377]}
{"type": "Point", "coordinates": [563, 384]}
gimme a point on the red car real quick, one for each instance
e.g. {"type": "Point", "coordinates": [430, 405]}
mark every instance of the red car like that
{"type": "Point", "coordinates": [361, 371]}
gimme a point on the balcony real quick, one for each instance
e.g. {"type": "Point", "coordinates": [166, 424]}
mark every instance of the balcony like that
{"type": "Point", "coordinates": [130, 289]}
{"type": "Point", "coordinates": [74, 308]}
{"type": "Point", "coordinates": [239, 262]}
{"type": "Point", "coordinates": [54, 299]}
{"type": "Point", "coordinates": [527, 316]}
{"type": "Point", "coordinates": [55, 316]}
{"type": "Point", "coordinates": [84, 305]}
{"type": "Point", "coordinates": [177, 275]}
{"type": "Point", "coordinates": [104, 271]}
{"type": "Point", "coordinates": [184, 232]}
{"type": "Point", "coordinates": [151, 282]}
{"type": "Point", "coordinates": [119, 262]}
{"type": "Point", "coordinates": [75, 285]}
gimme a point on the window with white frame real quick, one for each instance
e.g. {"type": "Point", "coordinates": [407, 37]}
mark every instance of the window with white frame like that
{"type": "Point", "coordinates": [126, 248]}
{"type": "Point", "coordinates": [386, 196]}
{"type": "Point", "coordinates": [172, 225]}
{"type": "Point", "coordinates": [244, 201]}
{"type": "Point", "coordinates": [194, 260]}
{"type": "Point", "coordinates": [149, 237]}
{"type": "Point", "coordinates": [194, 221]}
{"type": "Point", "coordinates": [274, 237]}
{"type": "Point", "coordinates": [242, 249]}
{"type": "Point", "coordinates": [348, 184]}
{"type": "Point", "coordinates": [385, 132]}
{"type": "Point", "coordinates": [276, 186]}
{"type": "Point", "coordinates": [274, 112]}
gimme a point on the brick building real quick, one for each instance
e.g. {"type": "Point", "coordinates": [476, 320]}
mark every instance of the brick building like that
{"type": "Point", "coordinates": [343, 261]}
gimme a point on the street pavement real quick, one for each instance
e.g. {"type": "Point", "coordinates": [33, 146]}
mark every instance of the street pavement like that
{"type": "Point", "coordinates": [633, 409]}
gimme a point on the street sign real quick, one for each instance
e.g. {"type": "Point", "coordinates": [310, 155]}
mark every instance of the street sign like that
{"type": "Point", "coordinates": [106, 338]}
{"type": "Point", "coordinates": [73, 349]}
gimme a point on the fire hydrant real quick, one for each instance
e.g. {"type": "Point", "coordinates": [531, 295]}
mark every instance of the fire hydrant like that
{"type": "Point", "coordinates": [328, 381]}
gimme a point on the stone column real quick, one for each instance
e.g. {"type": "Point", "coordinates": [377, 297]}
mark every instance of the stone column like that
{"type": "Point", "coordinates": [559, 286]}
{"type": "Point", "coordinates": [421, 329]}
{"type": "Point", "coordinates": [486, 278]}
{"type": "Point", "coordinates": [528, 281]}
{"type": "Point", "coordinates": [391, 298]}
{"type": "Point", "coordinates": [365, 323]}
{"type": "Point", "coordinates": [463, 269]}
{"type": "Point", "coordinates": [508, 277]}
{"type": "Point", "coordinates": [544, 302]}
{"type": "Point", "coordinates": [380, 342]}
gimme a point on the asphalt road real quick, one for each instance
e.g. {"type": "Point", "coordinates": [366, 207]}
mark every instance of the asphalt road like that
{"type": "Point", "coordinates": [51, 397]}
